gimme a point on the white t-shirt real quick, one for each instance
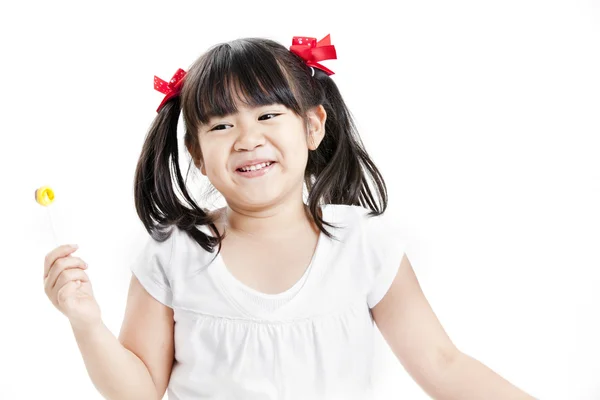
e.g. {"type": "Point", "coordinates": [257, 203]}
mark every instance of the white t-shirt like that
{"type": "Point", "coordinates": [314, 341]}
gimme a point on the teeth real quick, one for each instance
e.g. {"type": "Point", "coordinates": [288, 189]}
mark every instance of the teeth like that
{"type": "Point", "coordinates": [255, 167]}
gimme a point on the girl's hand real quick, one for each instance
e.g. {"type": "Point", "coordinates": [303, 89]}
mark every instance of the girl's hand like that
{"type": "Point", "coordinates": [68, 287]}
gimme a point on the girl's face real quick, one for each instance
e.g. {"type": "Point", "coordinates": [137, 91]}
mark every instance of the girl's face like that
{"type": "Point", "coordinates": [272, 133]}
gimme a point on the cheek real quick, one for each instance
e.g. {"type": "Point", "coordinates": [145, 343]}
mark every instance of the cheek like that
{"type": "Point", "coordinates": [213, 165]}
{"type": "Point", "coordinates": [298, 140]}
{"type": "Point", "coordinates": [212, 160]}
{"type": "Point", "coordinates": [298, 152]}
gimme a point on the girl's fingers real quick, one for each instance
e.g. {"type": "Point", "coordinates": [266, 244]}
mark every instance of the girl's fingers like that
{"type": "Point", "coordinates": [61, 265]}
{"type": "Point", "coordinates": [61, 251]}
{"type": "Point", "coordinates": [76, 274]}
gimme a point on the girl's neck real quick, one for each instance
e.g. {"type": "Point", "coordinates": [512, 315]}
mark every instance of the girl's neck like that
{"type": "Point", "coordinates": [275, 223]}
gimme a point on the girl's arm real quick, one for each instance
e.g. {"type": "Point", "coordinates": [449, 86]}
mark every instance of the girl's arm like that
{"type": "Point", "coordinates": [420, 343]}
{"type": "Point", "coordinates": [115, 371]}
{"type": "Point", "coordinates": [138, 364]}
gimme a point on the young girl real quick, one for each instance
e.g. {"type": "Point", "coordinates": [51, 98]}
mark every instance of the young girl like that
{"type": "Point", "coordinates": [273, 296]}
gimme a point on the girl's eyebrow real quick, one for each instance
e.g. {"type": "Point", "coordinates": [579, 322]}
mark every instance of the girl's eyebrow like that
{"type": "Point", "coordinates": [214, 116]}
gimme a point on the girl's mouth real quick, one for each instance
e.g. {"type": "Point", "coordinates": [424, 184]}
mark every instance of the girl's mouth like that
{"type": "Point", "coordinates": [256, 170]}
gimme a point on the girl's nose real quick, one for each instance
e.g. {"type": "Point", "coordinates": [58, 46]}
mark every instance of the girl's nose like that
{"type": "Point", "coordinates": [249, 138]}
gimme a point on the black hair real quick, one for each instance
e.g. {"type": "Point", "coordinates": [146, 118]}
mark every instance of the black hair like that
{"type": "Point", "coordinates": [256, 72]}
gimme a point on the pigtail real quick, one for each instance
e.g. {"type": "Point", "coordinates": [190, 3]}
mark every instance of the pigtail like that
{"type": "Point", "coordinates": [156, 202]}
{"type": "Point", "coordinates": [340, 171]}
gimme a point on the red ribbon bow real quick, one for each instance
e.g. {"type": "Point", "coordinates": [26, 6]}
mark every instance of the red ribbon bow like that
{"type": "Point", "coordinates": [170, 89]}
{"type": "Point", "coordinates": [312, 51]}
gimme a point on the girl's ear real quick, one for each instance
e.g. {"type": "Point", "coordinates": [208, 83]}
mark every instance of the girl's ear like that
{"type": "Point", "coordinates": [316, 126]}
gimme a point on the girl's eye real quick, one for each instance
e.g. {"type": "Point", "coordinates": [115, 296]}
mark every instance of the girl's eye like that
{"type": "Point", "coordinates": [273, 114]}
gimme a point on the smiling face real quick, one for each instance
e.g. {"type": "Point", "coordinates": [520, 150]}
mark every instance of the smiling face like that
{"type": "Point", "coordinates": [252, 99]}
{"type": "Point", "coordinates": [273, 133]}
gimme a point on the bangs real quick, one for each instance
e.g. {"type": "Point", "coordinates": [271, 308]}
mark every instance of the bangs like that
{"type": "Point", "coordinates": [240, 71]}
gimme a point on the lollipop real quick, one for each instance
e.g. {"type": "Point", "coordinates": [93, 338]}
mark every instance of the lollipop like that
{"type": "Point", "coordinates": [44, 196]}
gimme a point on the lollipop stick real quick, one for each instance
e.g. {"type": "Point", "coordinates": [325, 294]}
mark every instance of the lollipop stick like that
{"type": "Point", "coordinates": [52, 227]}
{"type": "Point", "coordinates": [44, 196]}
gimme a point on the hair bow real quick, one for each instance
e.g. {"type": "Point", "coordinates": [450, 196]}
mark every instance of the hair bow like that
{"type": "Point", "coordinates": [312, 51]}
{"type": "Point", "coordinates": [170, 89]}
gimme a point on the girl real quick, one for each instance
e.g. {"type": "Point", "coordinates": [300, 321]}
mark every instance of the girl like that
{"type": "Point", "coordinates": [273, 296]}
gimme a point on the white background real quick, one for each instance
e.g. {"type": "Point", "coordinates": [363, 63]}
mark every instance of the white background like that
{"type": "Point", "coordinates": [484, 118]}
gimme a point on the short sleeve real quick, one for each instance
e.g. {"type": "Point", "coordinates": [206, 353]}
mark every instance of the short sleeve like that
{"type": "Point", "coordinates": [151, 268]}
{"type": "Point", "coordinates": [386, 247]}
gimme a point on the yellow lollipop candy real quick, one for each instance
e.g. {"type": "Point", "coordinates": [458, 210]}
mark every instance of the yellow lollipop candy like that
{"type": "Point", "coordinates": [44, 196]}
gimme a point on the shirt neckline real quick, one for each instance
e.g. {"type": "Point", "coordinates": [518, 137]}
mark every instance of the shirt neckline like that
{"type": "Point", "coordinates": [229, 279]}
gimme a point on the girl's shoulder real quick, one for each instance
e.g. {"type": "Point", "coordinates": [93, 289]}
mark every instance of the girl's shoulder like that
{"type": "Point", "coordinates": [371, 248]}
{"type": "Point", "coordinates": [374, 234]}
{"type": "Point", "coordinates": [359, 217]}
